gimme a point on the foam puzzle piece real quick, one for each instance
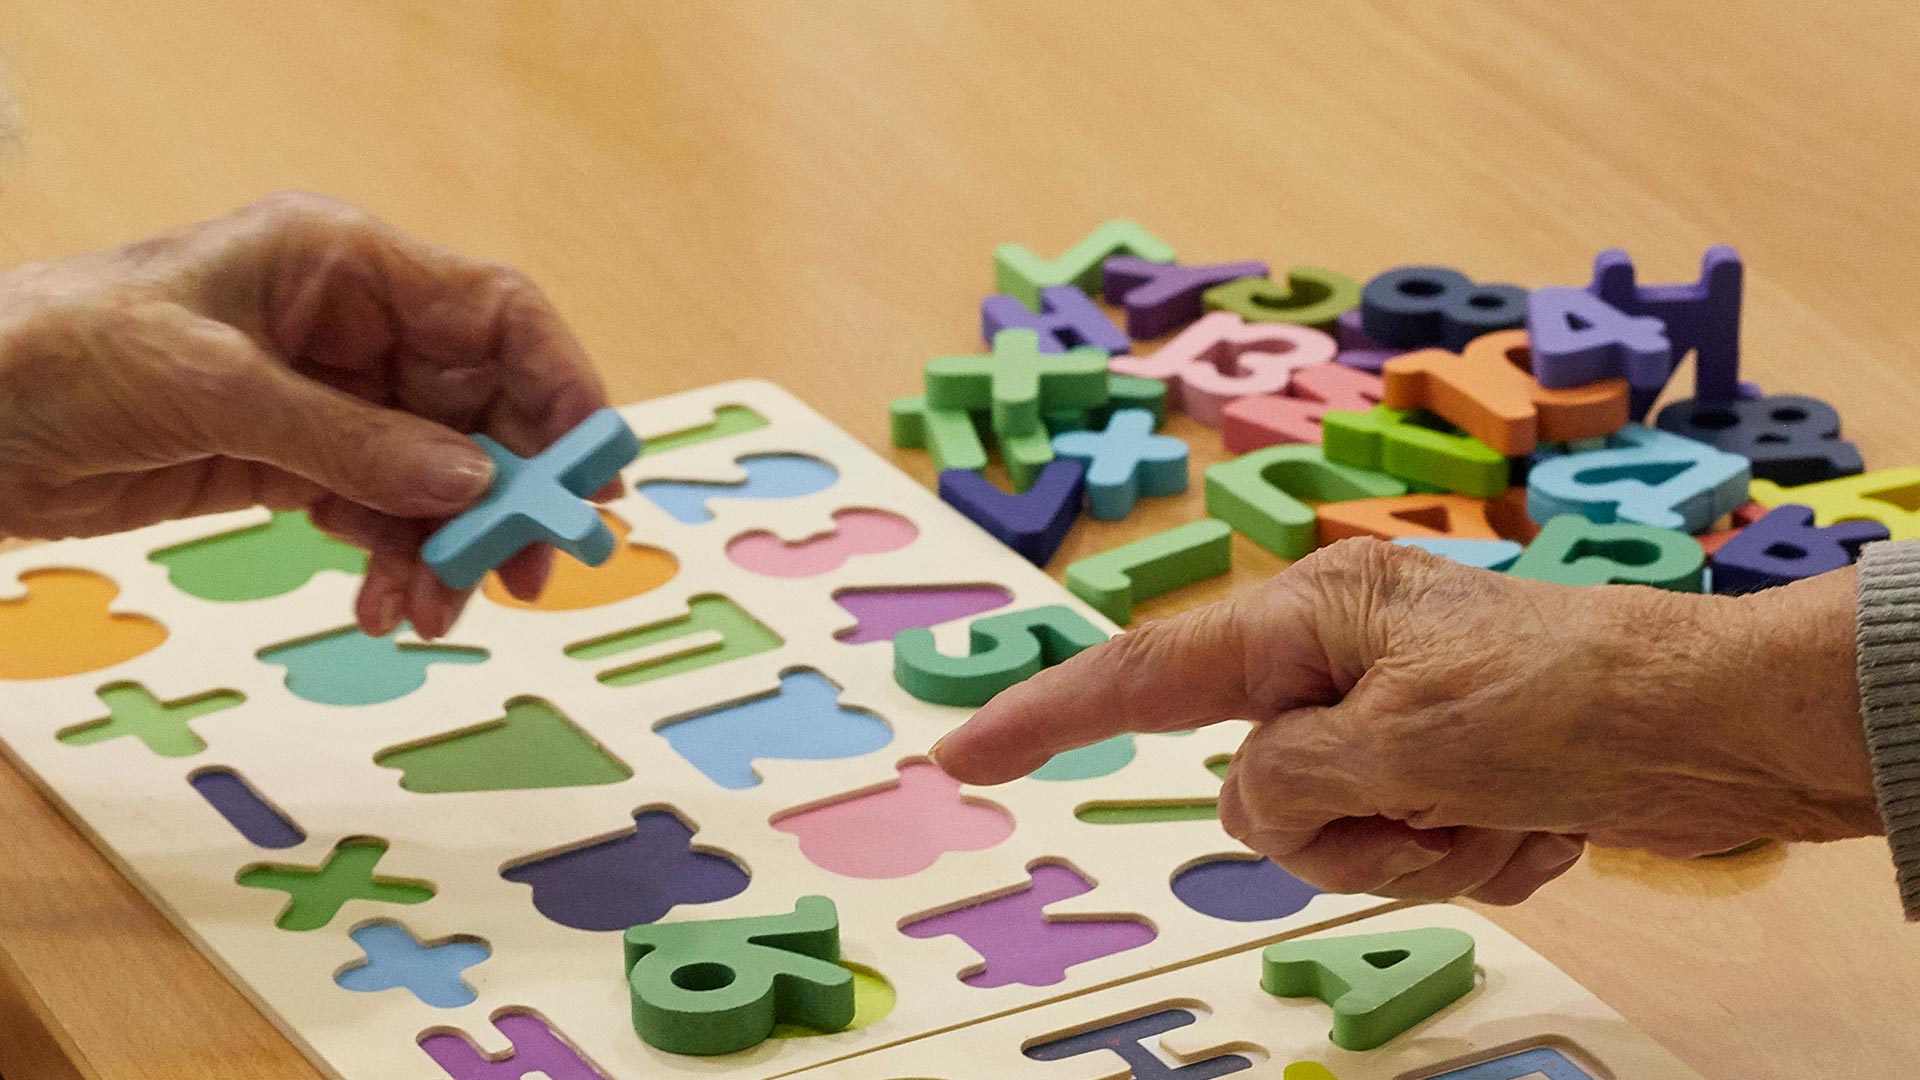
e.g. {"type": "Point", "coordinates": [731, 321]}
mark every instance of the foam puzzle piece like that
{"type": "Point", "coordinates": [855, 532]}
{"type": "Point", "coordinates": [1223, 357]}
{"type": "Point", "coordinates": [802, 721]}
{"type": "Point", "coordinates": [163, 726]}
{"type": "Point", "coordinates": [1488, 391]}
{"type": "Point", "coordinates": [1003, 650]}
{"type": "Point", "coordinates": [346, 667]}
{"type": "Point", "coordinates": [1888, 496]}
{"type": "Point", "coordinates": [728, 421]}
{"type": "Point", "coordinates": [534, 500]}
{"type": "Point", "coordinates": [1312, 296]}
{"type": "Point", "coordinates": [1123, 392]}
{"type": "Point", "coordinates": [1262, 494]}
{"type": "Point", "coordinates": [1114, 580]}
{"type": "Point", "coordinates": [769, 476]}
{"type": "Point", "coordinates": [1572, 550]}
{"type": "Point", "coordinates": [630, 878]}
{"type": "Point", "coordinates": [1025, 454]}
{"type": "Point", "coordinates": [873, 1001]}
{"type": "Point", "coordinates": [430, 971]}
{"type": "Point", "coordinates": [316, 894]}
{"type": "Point", "coordinates": [741, 635]}
{"type": "Point", "coordinates": [1033, 523]}
{"type": "Point", "coordinates": [1017, 943]}
{"type": "Point", "coordinates": [1357, 350]}
{"type": "Point", "coordinates": [1790, 439]}
{"type": "Point", "coordinates": [720, 986]}
{"type": "Point", "coordinates": [1379, 985]}
{"type": "Point", "coordinates": [259, 561]}
{"type": "Point", "coordinates": [1016, 382]}
{"type": "Point", "coordinates": [1242, 888]}
{"type": "Point", "coordinates": [1700, 316]}
{"type": "Point", "coordinates": [1415, 446]}
{"type": "Point", "coordinates": [1067, 319]}
{"type": "Point", "coordinates": [1644, 476]}
{"type": "Point", "coordinates": [1786, 546]}
{"type": "Point", "coordinates": [532, 746]}
{"type": "Point", "coordinates": [1020, 273]}
{"type": "Point", "coordinates": [1538, 1063]}
{"type": "Point", "coordinates": [537, 1050]}
{"type": "Point", "coordinates": [1579, 339]}
{"type": "Point", "coordinates": [883, 611]}
{"type": "Point", "coordinates": [896, 830]}
{"type": "Point", "coordinates": [65, 625]}
{"type": "Point", "coordinates": [1125, 462]}
{"type": "Point", "coordinates": [949, 435]}
{"type": "Point", "coordinates": [1127, 1040]}
{"type": "Point", "coordinates": [259, 821]}
{"type": "Point", "coordinates": [1253, 422]}
{"type": "Point", "coordinates": [1481, 554]}
{"type": "Point", "coordinates": [633, 570]}
{"type": "Point", "coordinates": [1162, 297]}
{"type": "Point", "coordinates": [1408, 515]}
{"type": "Point", "coordinates": [1413, 307]}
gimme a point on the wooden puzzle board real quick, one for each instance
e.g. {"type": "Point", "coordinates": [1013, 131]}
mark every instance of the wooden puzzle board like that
{"type": "Point", "coordinates": [1520, 1003]}
{"type": "Point", "coordinates": [315, 763]}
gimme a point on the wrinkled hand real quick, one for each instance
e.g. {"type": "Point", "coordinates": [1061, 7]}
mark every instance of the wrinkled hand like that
{"type": "Point", "coordinates": [1425, 730]}
{"type": "Point", "coordinates": [297, 353]}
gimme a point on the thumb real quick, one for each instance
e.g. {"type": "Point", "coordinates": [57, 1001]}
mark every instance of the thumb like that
{"type": "Point", "coordinates": [1249, 657]}
{"type": "Point", "coordinates": [255, 408]}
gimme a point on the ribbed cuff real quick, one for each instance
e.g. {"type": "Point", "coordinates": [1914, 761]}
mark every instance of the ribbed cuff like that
{"type": "Point", "coordinates": [1889, 662]}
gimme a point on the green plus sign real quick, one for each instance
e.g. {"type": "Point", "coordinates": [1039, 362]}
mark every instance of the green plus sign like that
{"type": "Point", "coordinates": [316, 896]}
{"type": "Point", "coordinates": [133, 710]}
{"type": "Point", "coordinates": [1017, 381]}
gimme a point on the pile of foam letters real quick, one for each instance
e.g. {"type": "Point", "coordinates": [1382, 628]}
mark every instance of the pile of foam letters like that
{"type": "Point", "coordinates": [1503, 427]}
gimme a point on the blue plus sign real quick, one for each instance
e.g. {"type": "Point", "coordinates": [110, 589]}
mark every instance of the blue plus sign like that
{"type": "Point", "coordinates": [395, 959]}
{"type": "Point", "coordinates": [1126, 461]}
{"type": "Point", "coordinates": [535, 500]}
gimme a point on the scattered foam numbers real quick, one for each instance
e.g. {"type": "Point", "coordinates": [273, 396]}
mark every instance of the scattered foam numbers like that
{"type": "Point", "coordinates": [1414, 307]}
{"type": "Point", "coordinates": [948, 435]}
{"type": "Point", "coordinates": [316, 895]}
{"type": "Point", "coordinates": [1415, 446]}
{"type": "Point", "coordinates": [769, 476]}
{"type": "Point", "coordinates": [346, 667]}
{"type": "Point", "coordinates": [1574, 551]}
{"type": "Point", "coordinates": [133, 710]}
{"type": "Point", "coordinates": [64, 626]}
{"type": "Point", "coordinates": [395, 959]}
{"type": "Point", "coordinates": [1888, 496]}
{"type": "Point", "coordinates": [1789, 438]}
{"type": "Point", "coordinates": [1484, 554]}
{"type": "Point", "coordinates": [1379, 985]}
{"type": "Point", "coordinates": [1067, 319]}
{"type": "Point", "coordinates": [1017, 382]}
{"type": "Point", "coordinates": [1020, 273]}
{"type": "Point", "coordinates": [1114, 580]}
{"type": "Point", "coordinates": [1004, 649]}
{"type": "Point", "coordinates": [1311, 297]}
{"type": "Point", "coordinates": [630, 878]}
{"type": "Point", "coordinates": [1263, 494]}
{"type": "Point", "coordinates": [1644, 476]}
{"type": "Point", "coordinates": [1125, 462]}
{"type": "Point", "coordinates": [1033, 523]}
{"type": "Point", "coordinates": [259, 561]}
{"type": "Point", "coordinates": [1162, 297]}
{"type": "Point", "coordinates": [533, 746]}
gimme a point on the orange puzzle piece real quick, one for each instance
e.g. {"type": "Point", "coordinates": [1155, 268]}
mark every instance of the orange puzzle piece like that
{"type": "Point", "coordinates": [633, 569]}
{"type": "Point", "coordinates": [63, 627]}
{"type": "Point", "coordinates": [1488, 391]}
{"type": "Point", "coordinates": [1406, 515]}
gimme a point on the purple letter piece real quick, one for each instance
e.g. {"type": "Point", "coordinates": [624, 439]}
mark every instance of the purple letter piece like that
{"type": "Point", "coordinates": [1163, 297]}
{"type": "Point", "coordinates": [1578, 338]}
{"type": "Point", "coordinates": [1702, 315]}
{"type": "Point", "coordinates": [536, 1048]}
{"type": "Point", "coordinates": [1067, 319]}
{"type": "Point", "coordinates": [1012, 935]}
{"type": "Point", "coordinates": [1786, 546]}
{"type": "Point", "coordinates": [1034, 523]}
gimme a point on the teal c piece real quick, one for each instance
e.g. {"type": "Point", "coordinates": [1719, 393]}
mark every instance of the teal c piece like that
{"type": "Point", "coordinates": [1003, 650]}
{"type": "Point", "coordinates": [722, 985]}
{"type": "Point", "coordinates": [1020, 273]}
{"type": "Point", "coordinates": [949, 435]}
{"type": "Point", "coordinates": [1265, 495]}
{"type": "Point", "coordinates": [1417, 447]}
{"type": "Point", "coordinates": [541, 499]}
{"type": "Point", "coordinates": [1016, 382]}
{"type": "Point", "coordinates": [1572, 550]}
{"type": "Point", "coordinates": [1379, 985]}
{"type": "Point", "coordinates": [1113, 581]}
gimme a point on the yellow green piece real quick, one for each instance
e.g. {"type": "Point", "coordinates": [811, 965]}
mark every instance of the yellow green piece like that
{"type": "Point", "coordinates": [1152, 812]}
{"type": "Point", "coordinates": [1379, 985]}
{"type": "Point", "coordinates": [133, 710]}
{"type": "Point", "coordinates": [1311, 297]}
{"type": "Point", "coordinates": [1020, 273]}
{"type": "Point", "coordinates": [259, 561]}
{"type": "Point", "coordinates": [1016, 382]}
{"type": "Point", "coordinates": [873, 1001]}
{"type": "Point", "coordinates": [1572, 550]}
{"type": "Point", "coordinates": [1888, 496]}
{"type": "Point", "coordinates": [1415, 446]}
{"type": "Point", "coordinates": [723, 985]}
{"type": "Point", "coordinates": [1151, 566]}
{"type": "Point", "coordinates": [533, 746]}
{"type": "Point", "coordinates": [728, 420]}
{"type": "Point", "coordinates": [316, 895]}
{"type": "Point", "coordinates": [949, 435]}
{"type": "Point", "coordinates": [1004, 649]}
{"type": "Point", "coordinates": [1264, 495]}
{"type": "Point", "coordinates": [741, 635]}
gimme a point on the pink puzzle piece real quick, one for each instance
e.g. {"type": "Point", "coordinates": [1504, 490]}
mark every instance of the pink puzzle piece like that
{"type": "Point", "coordinates": [855, 532]}
{"type": "Point", "coordinates": [897, 831]}
{"type": "Point", "coordinates": [1251, 423]}
{"type": "Point", "coordinates": [1223, 357]}
{"type": "Point", "coordinates": [1017, 941]}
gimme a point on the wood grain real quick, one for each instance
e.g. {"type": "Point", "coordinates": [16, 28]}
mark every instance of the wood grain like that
{"type": "Point", "coordinates": [808, 191]}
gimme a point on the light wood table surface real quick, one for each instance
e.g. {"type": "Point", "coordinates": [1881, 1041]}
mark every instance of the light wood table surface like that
{"type": "Point", "coordinates": [809, 191]}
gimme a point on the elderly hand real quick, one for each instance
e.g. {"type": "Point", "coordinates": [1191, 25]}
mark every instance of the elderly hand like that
{"type": "Point", "coordinates": [1425, 730]}
{"type": "Point", "coordinates": [297, 353]}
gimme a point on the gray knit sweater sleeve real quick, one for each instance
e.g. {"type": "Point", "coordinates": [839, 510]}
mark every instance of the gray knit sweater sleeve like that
{"type": "Point", "coordinates": [1889, 659]}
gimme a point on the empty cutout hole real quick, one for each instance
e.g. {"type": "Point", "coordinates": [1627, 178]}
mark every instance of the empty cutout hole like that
{"type": "Point", "coordinates": [1906, 498]}
{"type": "Point", "coordinates": [1430, 517]}
{"type": "Point", "coordinates": [1490, 301]}
{"type": "Point", "coordinates": [1421, 287]}
{"type": "Point", "coordinates": [1715, 419]}
{"type": "Point", "coordinates": [700, 977]}
{"type": "Point", "coordinates": [1624, 552]}
{"type": "Point", "coordinates": [1386, 958]}
{"type": "Point", "coordinates": [1783, 550]}
{"type": "Point", "coordinates": [1789, 414]}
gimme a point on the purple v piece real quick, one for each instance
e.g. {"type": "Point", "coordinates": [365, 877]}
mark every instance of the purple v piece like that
{"type": "Point", "coordinates": [1702, 316]}
{"type": "Point", "coordinates": [1162, 297]}
{"type": "Point", "coordinates": [1067, 319]}
{"type": "Point", "coordinates": [1033, 523]}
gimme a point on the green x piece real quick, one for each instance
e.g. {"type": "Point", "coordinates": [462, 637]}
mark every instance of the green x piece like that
{"type": "Point", "coordinates": [1016, 382]}
{"type": "Point", "coordinates": [133, 710]}
{"type": "Point", "coordinates": [316, 895]}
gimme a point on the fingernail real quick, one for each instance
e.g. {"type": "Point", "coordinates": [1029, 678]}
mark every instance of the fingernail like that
{"type": "Point", "coordinates": [386, 614]}
{"type": "Point", "coordinates": [934, 753]}
{"type": "Point", "coordinates": [460, 478]}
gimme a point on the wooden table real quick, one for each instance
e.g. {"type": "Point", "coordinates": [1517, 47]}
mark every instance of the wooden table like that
{"type": "Point", "coordinates": [809, 191]}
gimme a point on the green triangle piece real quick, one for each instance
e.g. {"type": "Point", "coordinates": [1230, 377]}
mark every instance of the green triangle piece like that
{"type": "Point", "coordinates": [1378, 984]}
{"type": "Point", "coordinates": [259, 561]}
{"type": "Point", "coordinates": [723, 985]}
{"type": "Point", "coordinates": [533, 746]}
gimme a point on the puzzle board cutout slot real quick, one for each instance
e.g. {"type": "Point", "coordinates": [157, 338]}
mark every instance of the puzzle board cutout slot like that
{"type": "Point", "coordinates": [881, 612]}
{"type": "Point", "coordinates": [713, 631]}
{"type": "Point", "coordinates": [1129, 1041]}
{"type": "Point", "coordinates": [631, 877]}
{"type": "Point", "coordinates": [432, 971]}
{"type": "Point", "coordinates": [803, 720]}
{"type": "Point", "coordinates": [898, 829]}
{"type": "Point", "coordinates": [346, 667]}
{"type": "Point", "coordinates": [855, 532]}
{"type": "Point", "coordinates": [258, 562]}
{"type": "Point", "coordinates": [163, 726]}
{"type": "Point", "coordinates": [1019, 943]}
{"type": "Point", "coordinates": [65, 625]}
{"type": "Point", "coordinates": [251, 815]}
{"type": "Point", "coordinates": [534, 1047]}
{"type": "Point", "coordinates": [632, 570]}
{"type": "Point", "coordinates": [533, 745]}
{"type": "Point", "coordinates": [728, 421]}
{"type": "Point", "coordinates": [769, 476]}
{"type": "Point", "coordinates": [316, 894]}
